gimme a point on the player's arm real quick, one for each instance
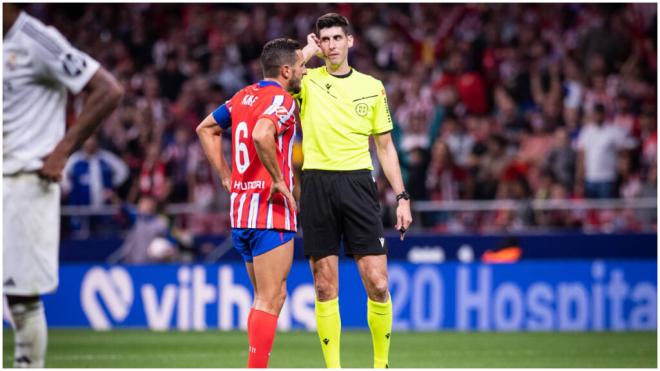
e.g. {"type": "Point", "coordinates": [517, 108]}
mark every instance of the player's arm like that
{"type": "Point", "coordinates": [264, 134]}
{"type": "Point", "coordinates": [389, 162]}
{"type": "Point", "coordinates": [104, 95]}
{"type": "Point", "coordinates": [209, 132]}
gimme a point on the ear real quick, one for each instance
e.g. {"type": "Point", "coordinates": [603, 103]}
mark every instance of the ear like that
{"type": "Point", "coordinates": [285, 71]}
{"type": "Point", "coordinates": [350, 40]}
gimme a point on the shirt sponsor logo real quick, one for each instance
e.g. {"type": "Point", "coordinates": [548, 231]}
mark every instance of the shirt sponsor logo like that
{"type": "Point", "coordinates": [244, 186]}
{"type": "Point", "coordinates": [281, 112]}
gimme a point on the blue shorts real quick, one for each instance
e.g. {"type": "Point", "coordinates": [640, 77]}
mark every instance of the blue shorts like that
{"type": "Point", "coordinates": [251, 242]}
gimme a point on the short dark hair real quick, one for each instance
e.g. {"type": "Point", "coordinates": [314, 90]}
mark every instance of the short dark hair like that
{"type": "Point", "coordinates": [277, 53]}
{"type": "Point", "coordinates": [332, 20]}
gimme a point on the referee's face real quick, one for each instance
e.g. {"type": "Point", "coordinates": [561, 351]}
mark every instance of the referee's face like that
{"type": "Point", "coordinates": [335, 44]}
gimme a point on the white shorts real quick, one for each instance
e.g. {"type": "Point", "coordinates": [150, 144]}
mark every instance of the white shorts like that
{"type": "Point", "coordinates": [31, 235]}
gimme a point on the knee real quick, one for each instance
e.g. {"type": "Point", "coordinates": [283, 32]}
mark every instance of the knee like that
{"type": "Point", "coordinates": [271, 302]}
{"type": "Point", "coordinates": [378, 289]}
{"type": "Point", "coordinates": [325, 290]}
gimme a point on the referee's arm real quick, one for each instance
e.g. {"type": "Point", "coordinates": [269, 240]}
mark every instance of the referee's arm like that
{"type": "Point", "coordinates": [389, 161]}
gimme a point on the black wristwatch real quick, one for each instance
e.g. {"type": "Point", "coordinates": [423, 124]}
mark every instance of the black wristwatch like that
{"type": "Point", "coordinates": [403, 195]}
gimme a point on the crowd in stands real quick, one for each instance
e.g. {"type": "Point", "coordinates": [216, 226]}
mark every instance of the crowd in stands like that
{"type": "Point", "coordinates": [490, 101]}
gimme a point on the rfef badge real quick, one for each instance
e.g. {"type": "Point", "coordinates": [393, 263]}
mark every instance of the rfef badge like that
{"type": "Point", "coordinates": [362, 109]}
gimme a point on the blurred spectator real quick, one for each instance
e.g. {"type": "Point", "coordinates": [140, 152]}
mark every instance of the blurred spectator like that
{"type": "Point", "coordinates": [153, 179]}
{"type": "Point", "coordinates": [489, 160]}
{"type": "Point", "coordinates": [176, 158]}
{"type": "Point", "coordinates": [503, 86]}
{"type": "Point", "coordinates": [598, 145]}
{"type": "Point", "coordinates": [92, 174]}
{"type": "Point", "coordinates": [445, 179]}
{"type": "Point", "coordinates": [90, 178]}
{"type": "Point", "coordinates": [560, 162]}
{"type": "Point", "coordinates": [469, 85]}
{"type": "Point", "coordinates": [170, 78]}
{"type": "Point", "coordinates": [460, 143]}
{"type": "Point", "coordinates": [146, 225]}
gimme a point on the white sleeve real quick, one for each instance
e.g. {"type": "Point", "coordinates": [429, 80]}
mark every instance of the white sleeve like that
{"type": "Point", "coordinates": [622, 140]}
{"type": "Point", "coordinates": [61, 60]}
{"type": "Point", "coordinates": [580, 142]}
{"type": "Point", "coordinates": [67, 172]}
{"type": "Point", "coordinates": [119, 168]}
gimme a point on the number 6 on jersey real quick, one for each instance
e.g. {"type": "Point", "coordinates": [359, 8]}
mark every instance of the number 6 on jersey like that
{"type": "Point", "coordinates": [242, 155]}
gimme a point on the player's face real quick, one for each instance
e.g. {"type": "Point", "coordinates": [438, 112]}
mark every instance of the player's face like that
{"type": "Point", "coordinates": [298, 70]}
{"type": "Point", "coordinates": [335, 44]}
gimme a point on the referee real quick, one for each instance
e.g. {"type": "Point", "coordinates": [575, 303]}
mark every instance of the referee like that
{"type": "Point", "coordinates": [340, 109]}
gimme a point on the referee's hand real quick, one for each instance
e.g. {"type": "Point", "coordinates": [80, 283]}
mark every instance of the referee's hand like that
{"type": "Point", "coordinates": [281, 187]}
{"type": "Point", "coordinates": [403, 217]}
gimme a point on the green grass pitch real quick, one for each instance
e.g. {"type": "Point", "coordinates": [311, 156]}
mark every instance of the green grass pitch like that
{"type": "Point", "coordinates": [213, 349]}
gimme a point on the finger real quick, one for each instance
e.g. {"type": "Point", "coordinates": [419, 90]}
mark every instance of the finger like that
{"type": "Point", "coordinates": [289, 199]}
{"type": "Point", "coordinates": [47, 177]}
{"type": "Point", "coordinates": [292, 201]}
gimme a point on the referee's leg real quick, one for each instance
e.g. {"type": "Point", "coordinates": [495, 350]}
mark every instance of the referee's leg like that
{"type": "Point", "coordinates": [373, 271]}
{"type": "Point", "coordinates": [328, 322]}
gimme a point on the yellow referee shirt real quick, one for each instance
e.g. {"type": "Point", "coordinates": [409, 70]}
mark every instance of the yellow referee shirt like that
{"type": "Point", "coordinates": [338, 115]}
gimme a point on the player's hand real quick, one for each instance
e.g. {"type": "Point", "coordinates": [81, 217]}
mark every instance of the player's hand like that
{"type": "Point", "coordinates": [226, 182]}
{"type": "Point", "coordinates": [403, 217]}
{"type": "Point", "coordinates": [53, 167]}
{"type": "Point", "coordinates": [281, 187]}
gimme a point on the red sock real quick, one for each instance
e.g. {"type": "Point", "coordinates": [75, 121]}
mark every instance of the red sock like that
{"type": "Point", "coordinates": [261, 333]}
{"type": "Point", "coordinates": [249, 319]}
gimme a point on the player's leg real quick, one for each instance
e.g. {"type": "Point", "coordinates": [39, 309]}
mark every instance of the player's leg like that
{"type": "Point", "coordinates": [273, 255]}
{"type": "Point", "coordinates": [328, 321]}
{"type": "Point", "coordinates": [271, 270]}
{"type": "Point", "coordinates": [249, 267]}
{"type": "Point", "coordinates": [30, 261]}
{"type": "Point", "coordinates": [241, 240]}
{"type": "Point", "coordinates": [320, 215]}
{"type": "Point", "coordinates": [373, 271]}
{"type": "Point", "coordinates": [31, 334]}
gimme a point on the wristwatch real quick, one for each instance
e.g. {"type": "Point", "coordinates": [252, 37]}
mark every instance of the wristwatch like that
{"type": "Point", "coordinates": [403, 195]}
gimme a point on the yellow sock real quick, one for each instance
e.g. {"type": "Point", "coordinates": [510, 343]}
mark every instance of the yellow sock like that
{"type": "Point", "coordinates": [379, 317]}
{"type": "Point", "coordinates": [328, 325]}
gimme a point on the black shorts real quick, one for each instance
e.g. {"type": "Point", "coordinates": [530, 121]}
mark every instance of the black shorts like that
{"type": "Point", "coordinates": [340, 206]}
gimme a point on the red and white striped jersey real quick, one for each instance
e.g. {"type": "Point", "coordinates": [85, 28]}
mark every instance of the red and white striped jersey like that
{"type": "Point", "coordinates": [250, 180]}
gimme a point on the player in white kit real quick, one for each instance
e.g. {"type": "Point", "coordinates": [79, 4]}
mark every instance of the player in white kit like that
{"type": "Point", "coordinates": [40, 65]}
